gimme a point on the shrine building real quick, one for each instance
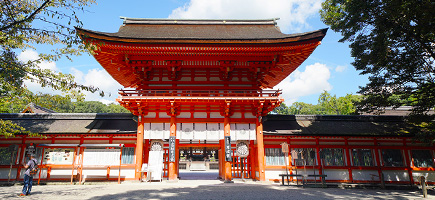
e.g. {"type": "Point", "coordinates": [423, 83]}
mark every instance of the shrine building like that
{"type": "Point", "coordinates": [200, 91]}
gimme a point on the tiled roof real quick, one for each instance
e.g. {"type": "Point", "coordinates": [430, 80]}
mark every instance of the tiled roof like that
{"type": "Point", "coordinates": [337, 125]}
{"type": "Point", "coordinates": [33, 108]}
{"type": "Point", "coordinates": [74, 123]}
{"type": "Point", "coordinates": [175, 29]}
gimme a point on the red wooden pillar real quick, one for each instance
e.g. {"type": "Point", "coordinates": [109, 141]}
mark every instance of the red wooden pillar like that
{"type": "Point", "coordinates": [253, 156]}
{"type": "Point", "coordinates": [378, 159]}
{"type": "Point", "coordinates": [349, 167]}
{"type": "Point", "coordinates": [139, 147]}
{"type": "Point", "coordinates": [408, 162]}
{"type": "Point", "coordinates": [226, 164]}
{"type": "Point", "coordinates": [260, 150]}
{"type": "Point", "coordinates": [221, 158]}
{"type": "Point", "coordinates": [172, 171]}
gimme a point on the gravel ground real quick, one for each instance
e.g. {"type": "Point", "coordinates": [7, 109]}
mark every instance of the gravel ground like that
{"type": "Point", "coordinates": [200, 185]}
{"type": "Point", "coordinates": [201, 189]}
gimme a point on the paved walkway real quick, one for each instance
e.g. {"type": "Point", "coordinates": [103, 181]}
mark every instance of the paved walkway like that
{"type": "Point", "coordinates": [201, 189]}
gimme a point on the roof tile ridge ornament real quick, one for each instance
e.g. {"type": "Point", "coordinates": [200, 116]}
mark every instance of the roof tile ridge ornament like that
{"type": "Point", "coordinates": [166, 21]}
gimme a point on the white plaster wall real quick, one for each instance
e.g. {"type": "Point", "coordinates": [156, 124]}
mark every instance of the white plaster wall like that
{"type": "Point", "coordinates": [336, 174]}
{"type": "Point", "coordinates": [125, 173]}
{"type": "Point", "coordinates": [187, 131]}
{"type": "Point", "coordinates": [429, 175]}
{"type": "Point", "coordinates": [200, 132]}
{"type": "Point", "coordinates": [252, 132]}
{"type": "Point", "coordinates": [237, 115]}
{"type": "Point", "coordinates": [249, 115]}
{"type": "Point", "coordinates": [4, 172]}
{"type": "Point", "coordinates": [167, 131]}
{"type": "Point", "coordinates": [184, 115]}
{"type": "Point", "coordinates": [213, 131]}
{"type": "Point", "coordinates": [61, 173]}
{"type": "Point", "coordinates": [242, 132]}
{"type": "Point", "coordinates": [150, 115]}
{"type": "Point", "coordinates": [200, 115]}
{"type": "Point", "coordinates": [395, 175]}
{"type": "Point", "coordinates": [164, 115]}
{"type": "Point", "coordinates": [147, 130]}
{"type": "Point", "coordinates": [233, 131]}
{"type": "Point", "coordinates": [95, 173]}
{"type": "Point", "coordinates": [216, 115]}
{"type": "Point", "coordinates": [365, 175]}
{"type": "Point", "coordinates": [156, 131]}
{"type": "Point", "coordinates": [273, 173]}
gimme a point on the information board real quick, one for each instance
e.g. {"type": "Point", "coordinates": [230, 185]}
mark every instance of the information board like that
{"type": "Point", "coordinates": [58, 156]}
{"type": "Point", "coordinates": [228, 148]}
{"type": "Point", "coordinates": [155, 165]}
{"type": "Point", "coordinates": [172, 149]}
{"type": "Point", "coordinates": [101, 157]}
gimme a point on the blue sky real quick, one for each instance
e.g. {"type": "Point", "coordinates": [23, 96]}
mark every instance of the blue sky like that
{"type": "Point", "coordinates": [328, 68]}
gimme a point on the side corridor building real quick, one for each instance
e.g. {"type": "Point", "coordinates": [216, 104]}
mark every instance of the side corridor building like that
{"type": "Point", "coordinates": [200, 90]}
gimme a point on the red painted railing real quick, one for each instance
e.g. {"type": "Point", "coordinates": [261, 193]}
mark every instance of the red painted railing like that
{"type": "Point", "coordinates": [202, 93]}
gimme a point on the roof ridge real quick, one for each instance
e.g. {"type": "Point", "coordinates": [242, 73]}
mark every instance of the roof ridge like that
{"type": "Point", "coordinates": [271, 21]}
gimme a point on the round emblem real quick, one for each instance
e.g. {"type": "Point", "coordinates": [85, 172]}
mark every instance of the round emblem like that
{"type": "Point", "coordinates": [156, 146]}
{"type": "Point", "coordinates": [242, 149]}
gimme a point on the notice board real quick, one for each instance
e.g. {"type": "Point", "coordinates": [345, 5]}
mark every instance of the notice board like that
{"type": "Point", "coordinates": [155, 165]}
{"type": "Point", "coordinates": [101, 157]}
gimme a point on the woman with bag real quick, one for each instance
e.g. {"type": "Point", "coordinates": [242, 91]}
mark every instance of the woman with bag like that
{"type": "Point", "coordinates": [28, 175]}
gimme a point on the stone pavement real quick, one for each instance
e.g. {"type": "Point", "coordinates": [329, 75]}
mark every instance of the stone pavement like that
{"type": "Point", "coordinates": [200, 189]}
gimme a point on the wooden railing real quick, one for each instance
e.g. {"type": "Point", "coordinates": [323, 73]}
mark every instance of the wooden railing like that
{"type": "Point", "coordinates": [201, 93]}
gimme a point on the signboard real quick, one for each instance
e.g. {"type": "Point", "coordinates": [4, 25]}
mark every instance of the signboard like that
{"type": "Point", "coordinates": [171, 148]}
{"type": "Point", "coordinates": [101, 156]}
{"type": "Point", "coordinates": [242, 148]}
{"type": "Point", "coordinates": [228, 148]}
{"type": "Point", "coordinates": [284, 147]}
{"type": "Point", "coordinates": [155, 165]}
{"type": "Point", "coordinates": [58, 156]}
{"type": "Point", "coordinates": [31, 149]}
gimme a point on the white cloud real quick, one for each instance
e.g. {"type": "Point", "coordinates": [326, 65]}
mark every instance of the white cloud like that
{"type": "Point", "coordinates": [293, 14]}
{"type": "Point", "coordinates": [311, 81]}
{"type": "Point", "coordinates": [101, 79]}
{"type": "Point", "coordinates": [93, 77]}
{"type": "Point", "coordinates": [31, 55]}
{"type": "Point", "coordinates": [341, 68]}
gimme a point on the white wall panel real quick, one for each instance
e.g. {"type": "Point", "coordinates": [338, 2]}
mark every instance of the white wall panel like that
{"type": "Point", "coordinates": [150, 115]}
{"type": "Point", "coordinates": [242, 131]}
{"type": "Point", "coordinates": [146, 130]}
{"type": "Point", "coordinates": [164, 115]}
{"type": "Point", "coordinates": [184, 115]}
{"type": "Point", "coordinates": [252, 132]}
{"type": "Point", "coordinates": [187, 131]}
{"type": "Point", "coordinates": [200, 115]}
{"type": "Point", "coordinates": [167, 130]}
{"type": "Point", "coordinates": [200, 132]}
{"type": "Point", "coordinates": [233, 132]}
{"type": "Point", "coordinates": [213, 131]}
{"type": "Point", "coordinates": [429, 175]}
{"type": "Point", "coordinates": [4, 172]}
{"type": "Point", "coordinates": [249, 115]}
{"type": "Point", "coordinates": [396, 175]}
{"type": "Point", "coordinates": [216, 115]}
{"type": "Point", "coordinates": [336, 174]}
{"type": "Point", "coordinates": [365, 175]}
{"type": "Point", "coordinates": [156, 131]}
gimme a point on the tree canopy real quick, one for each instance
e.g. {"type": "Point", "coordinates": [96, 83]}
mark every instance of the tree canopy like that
{"type": "Point", "coordinates": [327, 105]}
{"type": "Point", "coordinates": [27, 23]}
{"type": "Point", "coordinates": [393, 42]}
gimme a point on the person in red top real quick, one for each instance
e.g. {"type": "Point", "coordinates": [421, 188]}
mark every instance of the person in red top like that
{"type": "Point", "coordinates": [28, 178]}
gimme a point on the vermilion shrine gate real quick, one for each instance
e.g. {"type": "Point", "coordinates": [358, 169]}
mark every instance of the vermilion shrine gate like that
{"type": "Point", "coordinates": [201, 83]}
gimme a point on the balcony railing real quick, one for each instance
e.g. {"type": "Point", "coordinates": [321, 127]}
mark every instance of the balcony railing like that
{"type": "Point", "coordinates": [200, 93]}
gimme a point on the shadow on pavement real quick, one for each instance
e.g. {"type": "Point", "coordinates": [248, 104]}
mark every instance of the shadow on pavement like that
{"type": "Point", "coordinates": [252, 191]}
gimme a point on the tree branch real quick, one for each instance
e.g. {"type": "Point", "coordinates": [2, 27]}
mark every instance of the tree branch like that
{"type": "Point", "coordinates": [27, 18]}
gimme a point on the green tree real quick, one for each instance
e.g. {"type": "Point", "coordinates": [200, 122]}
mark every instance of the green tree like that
{"type": "Point", "coordinates": [392, 42]}
{"type": "Point", "coordinates": [331, 105]}
{"type": "Point", "coordinates": [25, 23]}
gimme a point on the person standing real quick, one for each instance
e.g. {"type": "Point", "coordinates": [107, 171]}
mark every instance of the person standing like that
{"type": "Point", "coordinates": [28, 178]}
